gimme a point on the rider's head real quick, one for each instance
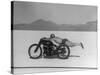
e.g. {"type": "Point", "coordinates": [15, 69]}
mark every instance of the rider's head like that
{"type": "Point", "coordinates": [52, 36]}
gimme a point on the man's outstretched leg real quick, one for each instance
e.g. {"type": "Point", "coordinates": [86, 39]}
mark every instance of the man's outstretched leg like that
{"type": "Point", "coordinates": [72, 44]}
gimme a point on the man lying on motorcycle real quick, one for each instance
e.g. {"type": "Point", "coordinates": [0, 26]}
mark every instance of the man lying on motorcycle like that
{"type": "Point", "coordinates": [56, 40]}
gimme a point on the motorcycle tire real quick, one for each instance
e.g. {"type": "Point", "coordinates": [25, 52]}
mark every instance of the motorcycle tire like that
{"type": "Point", "coordinates": [30, 51]}
{"type": "Point", "coordinates": [66, 56]}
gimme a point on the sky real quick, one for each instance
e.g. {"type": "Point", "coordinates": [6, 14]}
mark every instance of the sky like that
{"type": "Point", "coordinates": [28, 12]}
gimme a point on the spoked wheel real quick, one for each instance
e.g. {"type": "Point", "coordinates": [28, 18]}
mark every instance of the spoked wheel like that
{"type": "Point", "coordinates": [63, 52]}
{"type": "Point", "coordinates": [32, 53]}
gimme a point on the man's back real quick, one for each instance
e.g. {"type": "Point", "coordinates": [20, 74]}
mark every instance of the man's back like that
{"type": "Point", "coordinates": [56, 40]}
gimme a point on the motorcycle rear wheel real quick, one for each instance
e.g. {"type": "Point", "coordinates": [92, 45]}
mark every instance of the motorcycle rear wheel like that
{"type": "Point", "coordinates": [61, 55]}
{"type": "Point", "coordinates": [32, 53]}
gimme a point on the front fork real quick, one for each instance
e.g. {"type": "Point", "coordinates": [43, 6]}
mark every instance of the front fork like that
{"type": "Point", "coordinates": [38, 46]}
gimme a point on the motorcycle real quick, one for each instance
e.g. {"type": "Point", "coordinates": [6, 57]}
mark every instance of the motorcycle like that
{"type": "Point", "coordinates": [46, 48]}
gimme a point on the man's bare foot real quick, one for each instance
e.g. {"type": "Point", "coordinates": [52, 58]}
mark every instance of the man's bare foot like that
{"type": "Point", "coordinates": [82, 45]}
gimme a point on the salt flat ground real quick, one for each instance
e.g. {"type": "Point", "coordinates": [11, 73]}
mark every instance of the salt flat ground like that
{"type": "Point", "coordinates": [88, 56]}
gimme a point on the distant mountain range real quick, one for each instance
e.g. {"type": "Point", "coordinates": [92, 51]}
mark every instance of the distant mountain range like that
{"type": "Point", "coordinates": [51, 26]}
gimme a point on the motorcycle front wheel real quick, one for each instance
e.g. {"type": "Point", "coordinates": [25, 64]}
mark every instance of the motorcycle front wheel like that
{"type": "Point", "coordinates": [63, 52]}
{"type": "Point", "coordinates": [32, 53]}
